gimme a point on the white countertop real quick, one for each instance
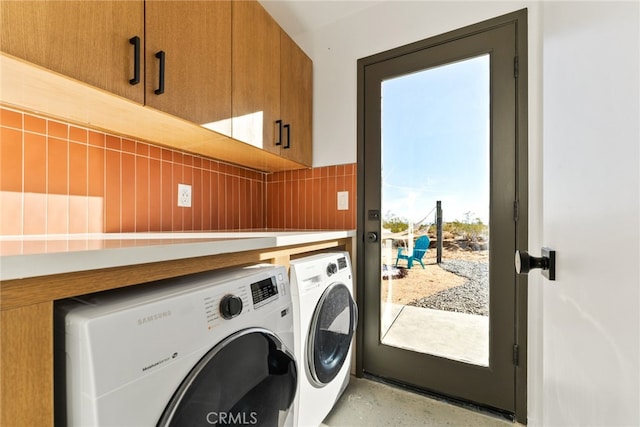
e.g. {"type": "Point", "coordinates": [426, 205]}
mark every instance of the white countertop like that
{"type": "Point", "coordinates": [31, 256]}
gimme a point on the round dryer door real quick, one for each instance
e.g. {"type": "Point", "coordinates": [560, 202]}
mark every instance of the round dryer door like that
{"type": "Point", "coordinates": [330, 333]}
{"type": "Point", "coordinates": [250, 378]}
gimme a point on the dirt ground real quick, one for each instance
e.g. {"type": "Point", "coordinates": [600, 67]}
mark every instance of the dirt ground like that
{"type": "Point", "coordinates": [421, 282]}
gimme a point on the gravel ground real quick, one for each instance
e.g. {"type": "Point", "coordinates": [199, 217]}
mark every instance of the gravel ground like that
{"type": "Point", "coordinates": [471, 297]}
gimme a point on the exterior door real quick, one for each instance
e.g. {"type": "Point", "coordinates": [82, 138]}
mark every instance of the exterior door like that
{"type": "Point", "coordinates": [441, 127]}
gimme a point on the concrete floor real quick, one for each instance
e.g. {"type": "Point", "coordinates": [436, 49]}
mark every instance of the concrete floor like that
{"type": "Point", "coordinates": [369, 403]}
{"type": "Point", "coordinates": [454, 335]}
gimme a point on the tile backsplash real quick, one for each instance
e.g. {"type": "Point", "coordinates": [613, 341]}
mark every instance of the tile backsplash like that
{"type": "Point", "coordinates": [60, 178]}
{"type": "Point", "coordinates": [307, 199]}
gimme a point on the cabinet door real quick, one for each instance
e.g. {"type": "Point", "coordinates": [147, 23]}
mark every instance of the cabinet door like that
{"type": "Point", "coordinates": [195, 37]}
{"type": "Point", "coordinates": [85, 40]}
{"type": "Point", "coordinates": [296, 101]}
{"type": "Point", "coordinates": [256, 76]}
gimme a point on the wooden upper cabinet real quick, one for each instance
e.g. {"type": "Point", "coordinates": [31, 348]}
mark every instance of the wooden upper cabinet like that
{"type": "Point", "coordinates": [296, 101]}
{"type": "Point", "coordinates": [272, 86]}
{"type": "Point", "coordinates": [226, 64]}
{"type": "Point", "coordinates": [85, 40]}
{"type": "Point", "coordinates": [195, 37]}
{"type": "Point", "coordinates": [256, 76]}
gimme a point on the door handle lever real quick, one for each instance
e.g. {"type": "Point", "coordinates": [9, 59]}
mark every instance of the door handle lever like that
{"type": "Point", "coordinates": [547, 263]}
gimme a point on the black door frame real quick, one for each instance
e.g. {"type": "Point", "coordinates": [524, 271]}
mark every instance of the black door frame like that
{"type": "Point", "coordinates": [520, 206]}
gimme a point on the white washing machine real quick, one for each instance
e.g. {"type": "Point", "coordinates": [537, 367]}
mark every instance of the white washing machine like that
{"type": "Point", "coordinates": [325, 317]}
{"type": "Point", "coordinates": [206, 349]}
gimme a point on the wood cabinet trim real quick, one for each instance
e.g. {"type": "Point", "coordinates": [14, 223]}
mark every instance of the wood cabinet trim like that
{"type": "Point", "coordinates": [31, 88]}
{"type": "Point", "coordinates": [26, 366]}
{"type": "Point", "coordinates": [22, 292]}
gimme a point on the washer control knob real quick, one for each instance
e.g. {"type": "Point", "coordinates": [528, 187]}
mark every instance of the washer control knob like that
{"type": "Point", "coordinates": [230, 306]}
{"type": "Point", "coordinates": [332, 269]}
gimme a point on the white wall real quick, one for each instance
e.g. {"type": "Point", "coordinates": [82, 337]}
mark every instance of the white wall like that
{"type": "Point", "coordinates": [591, 114]}
{"type": "Point", "coordinates": [336, 48]}
{"type": "Point", "coordinates": [584, 329]}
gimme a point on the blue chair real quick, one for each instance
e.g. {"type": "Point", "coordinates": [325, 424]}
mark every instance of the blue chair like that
{"type": "Point", "coordinates": [419, 249]}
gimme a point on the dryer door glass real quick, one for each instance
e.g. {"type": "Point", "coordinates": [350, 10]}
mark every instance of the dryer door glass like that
{"type": "Point", "coordinates": [249, 378]}
{"type": "Point", "coordinates": [330, 333]}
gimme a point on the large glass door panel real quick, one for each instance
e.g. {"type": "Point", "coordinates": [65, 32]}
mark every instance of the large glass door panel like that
{"type": "Point", "coordinates": [435, 178]}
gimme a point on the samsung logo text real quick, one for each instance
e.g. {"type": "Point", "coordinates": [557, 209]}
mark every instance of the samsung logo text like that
{"type": "Point", "coordinates": [153, 317]}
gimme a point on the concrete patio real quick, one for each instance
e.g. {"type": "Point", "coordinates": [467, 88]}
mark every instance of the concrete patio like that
{"type": "Point", "coordinates": [457, 336]}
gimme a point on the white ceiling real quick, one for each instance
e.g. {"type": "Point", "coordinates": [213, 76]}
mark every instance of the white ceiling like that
{"type": "Point", "coordinates": [301, 16]}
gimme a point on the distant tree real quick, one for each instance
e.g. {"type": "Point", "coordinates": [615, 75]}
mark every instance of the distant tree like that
{"type": "Point", "coordinates": [395, 223]}
{"type": "Point", "coordinates": [468, 229]}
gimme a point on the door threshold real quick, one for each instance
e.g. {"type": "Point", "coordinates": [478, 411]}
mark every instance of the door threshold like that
{"type": "Point", "coordinates": [485, 410]}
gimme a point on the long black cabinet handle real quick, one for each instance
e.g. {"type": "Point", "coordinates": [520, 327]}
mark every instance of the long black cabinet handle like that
{"type": "Point", "coordinates": [288, 128]}
{"type": "Point", "coordinates": [135, 41]}
{"type": "Point", "coordinates": [161, 56]}
{"type": "Point", "coordinates": [279, 123]}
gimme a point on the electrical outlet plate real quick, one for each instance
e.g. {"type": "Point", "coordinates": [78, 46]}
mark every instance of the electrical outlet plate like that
{"type": "Point", "coordinates": [343, 200]}
{"type": "Point", "coordinates": [184, 195]}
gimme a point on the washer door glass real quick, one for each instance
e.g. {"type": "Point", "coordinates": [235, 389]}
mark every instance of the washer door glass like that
{"type": "Point", "coordinates": [330, 333]}
{"type": "Point", "coordinates": [249, 378]}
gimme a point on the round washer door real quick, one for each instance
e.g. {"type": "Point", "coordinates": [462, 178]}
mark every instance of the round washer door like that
{"type": "Point", "coordinates": [330, 333]}
{"type": "Point", "coordinates": [249, 378]}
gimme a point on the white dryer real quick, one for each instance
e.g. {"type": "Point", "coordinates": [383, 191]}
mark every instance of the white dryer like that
{"type": "Point", "coordinates": [206, 349]}
{"type": "Point", "coordinates": [325, 317]}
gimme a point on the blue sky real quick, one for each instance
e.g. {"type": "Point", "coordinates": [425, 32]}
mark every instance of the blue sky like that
{"type": "Point", "coordinates": [435, 141]}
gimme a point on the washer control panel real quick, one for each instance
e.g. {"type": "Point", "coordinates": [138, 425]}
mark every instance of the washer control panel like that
{"type": "Point", "coordinates": [230, 306]}
{"type": "Point", "coordinates": [331, 269]}
{"type": "Point", "coordinates": [224, 303]}
{"type": "Point", "coordinates": [264, 291]}
{"type": "Point", "coordinates": [342, 263]}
